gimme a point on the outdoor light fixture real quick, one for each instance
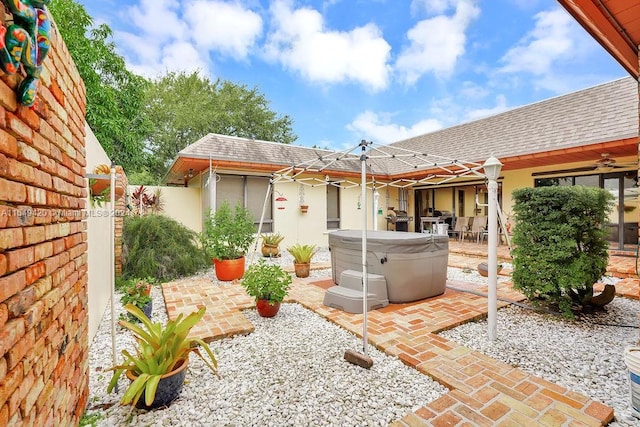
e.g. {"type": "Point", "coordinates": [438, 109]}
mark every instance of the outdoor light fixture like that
{"type": "Point", "coordinates": [492, 171]}
{"type": "Point", "coordinates": [190, 173]}
{"type": "Point", "coordinates": [492, 168]}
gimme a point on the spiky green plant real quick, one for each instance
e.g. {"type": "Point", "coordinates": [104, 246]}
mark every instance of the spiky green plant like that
{"type": "Point", "coordinates": [160, 349]}
{"type": "Point", "coordinates": [272, 239]}
{"type": "Point", "coordinates": [302, 254]}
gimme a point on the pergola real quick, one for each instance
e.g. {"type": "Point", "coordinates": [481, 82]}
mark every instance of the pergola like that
{"type": "Point", "coordinates": [438, 170]}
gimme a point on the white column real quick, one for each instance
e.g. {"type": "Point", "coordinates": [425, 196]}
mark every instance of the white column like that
{"type": "Point", "coordinates": [492, 171]}
{"type": "Point", "coordinates": [493, 258]}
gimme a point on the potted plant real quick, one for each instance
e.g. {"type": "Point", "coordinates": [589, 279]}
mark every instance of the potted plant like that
{"type": "Point", "coordinates": [268, 284]}
{"type": "Point", "coordinates": [138, 293]}
{"type": "Point", "coordinates": [302, 255]}
{"type": "Point", "coordinates": [158, 368]}
{"type": "Point", "coordinates": [226, 238]}
{"type": "Point", "coordinates": [270, 244]}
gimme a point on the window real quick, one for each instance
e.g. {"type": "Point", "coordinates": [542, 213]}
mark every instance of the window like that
{"type": "Point", "coordinates": [333, 206]}
{"type": "Point", "coordinates": [550, 182]}
{"type": "Point", "coordinates": [249, 191]}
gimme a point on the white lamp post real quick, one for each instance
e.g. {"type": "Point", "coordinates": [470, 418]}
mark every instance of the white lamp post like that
{"type": "Point", "coordinates": [492, 171]}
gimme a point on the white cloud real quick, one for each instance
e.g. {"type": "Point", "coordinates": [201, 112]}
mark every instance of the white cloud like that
{"type": "Point", "coordinates": [432, 6]}
{"type": "Point", "coordinates": [552, 39]}
{"type": "Point", "coordinates": [435, 44]}
{"type": "Point", "coordinates": [300, 41]}
{"type": "Point", "coordinates": [174, 56]}
{"type": "Point", "coordinates": [472, 90]}
{"type": "Point", "coordinates": [183, 56]}
{"type": "Point", "coordinates": [378, 127]}
{"type": "Point", "coordinates": [501, 105]}
{"type": "Point", "coordinates": [159, 19]}
{"type": "Point", "coordinates": [180, 35]}
{"type": "Point", "coordinates": [224, 27]}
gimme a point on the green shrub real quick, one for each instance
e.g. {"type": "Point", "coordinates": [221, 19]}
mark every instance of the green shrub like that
{"type": "Point", "coordinates": [228, 233]}
{"type": "Point", "coordinates": [266, 281]}
{"type": "Point", "coordinates": [160, 247]}
{"type": "Point", "coordinates": [560, 244]}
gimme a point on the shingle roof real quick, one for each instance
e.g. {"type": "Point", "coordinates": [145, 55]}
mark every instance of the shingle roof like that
{"type": "Point", "coordinates": [222, 147]}
{"type": "Point", "coordinates": [602, 113]}
{"type": "Point", "coordinates": [607, 112]}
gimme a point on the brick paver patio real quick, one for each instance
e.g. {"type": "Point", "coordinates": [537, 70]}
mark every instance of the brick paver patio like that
{"type": "Point", "coordinates": [483, 391]}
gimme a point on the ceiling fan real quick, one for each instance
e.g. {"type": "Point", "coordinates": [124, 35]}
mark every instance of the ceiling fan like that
{"type": "Point", "coordinates": [604, 164]}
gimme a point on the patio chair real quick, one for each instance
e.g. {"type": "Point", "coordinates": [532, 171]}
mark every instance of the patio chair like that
{"type": "Point", "coordinates": [461, 225]}
{"type": "Point", "coordinates": [478, 225]}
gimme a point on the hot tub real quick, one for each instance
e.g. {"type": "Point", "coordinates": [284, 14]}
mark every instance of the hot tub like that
{"type": "Point", "coordinates": [413, 264]}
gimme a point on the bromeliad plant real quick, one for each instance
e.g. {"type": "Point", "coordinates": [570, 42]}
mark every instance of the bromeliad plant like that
{"type": "Point", "coordinates": [160, 350]}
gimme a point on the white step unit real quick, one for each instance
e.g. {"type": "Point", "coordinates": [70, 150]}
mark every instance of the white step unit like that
{"type": "Point", "coordinates": [348, 296]}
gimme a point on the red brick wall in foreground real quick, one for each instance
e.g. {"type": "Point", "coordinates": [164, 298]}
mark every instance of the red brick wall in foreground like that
{"type": "Point", "coordinates": [43, 243]}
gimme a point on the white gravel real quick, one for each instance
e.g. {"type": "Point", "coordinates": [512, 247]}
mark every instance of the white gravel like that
{"type": "Point", "coordinates": [584, 355]}
{"type": "Point", "coordinates": [290, 371]}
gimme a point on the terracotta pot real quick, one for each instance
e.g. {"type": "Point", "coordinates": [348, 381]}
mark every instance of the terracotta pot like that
{"type": "Point", "coordinates": [304, 208]}
{"type": "Point", "coordinates": [147, 290]}
{"type": "Point", "coordinates": [102, 184]}
{"type": "Point", "coordinates": [266, 309]}
{"type": "Point", "coordinates": [302, 270]}
{"type": "Point", "coordinates": [229, 269]}
{"type": "Point", "coordinates": [270, 250]}
{"type": "Point", "coordinates": [169, 387]}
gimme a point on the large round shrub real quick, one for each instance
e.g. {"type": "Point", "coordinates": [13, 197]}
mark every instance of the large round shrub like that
{"type": "Point", "coordinates": [160, 247]}
{"type": "Point", "coordinates": [561, 246]}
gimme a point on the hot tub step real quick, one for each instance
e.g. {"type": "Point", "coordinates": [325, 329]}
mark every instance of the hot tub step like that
{"type": "Point", "coordinates": [350, 300]}
{"type": "Point", "coordinates": [376, 283]}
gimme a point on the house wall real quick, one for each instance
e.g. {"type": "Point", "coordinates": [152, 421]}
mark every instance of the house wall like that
{"type": "Point", "coordinates": [311, 227]}
{"type": "Point", "coordinates": [43, 238]}
{"type": "Point", "coordinates": [180, 203]}
{"type": "Point", "coordinates": [523, 178]}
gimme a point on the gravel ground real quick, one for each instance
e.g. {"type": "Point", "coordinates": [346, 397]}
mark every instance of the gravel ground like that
{"type": "Point", "coordinates": [585, 355]}
{"type": "Point", "coordinates": [289, 371]}
{"type": "Point", "coordinates": [276, 377]}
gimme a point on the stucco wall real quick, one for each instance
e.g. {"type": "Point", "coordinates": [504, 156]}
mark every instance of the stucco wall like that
{"type": "Point", "coordinates": [180, 203]}
{"type": "Point", "coordinates": [99, 249]}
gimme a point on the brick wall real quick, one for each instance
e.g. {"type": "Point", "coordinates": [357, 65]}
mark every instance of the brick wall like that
{"type": "Point", "coordinates": [43, 260]}
{"type": "Point", "coordinates": [120, 209]}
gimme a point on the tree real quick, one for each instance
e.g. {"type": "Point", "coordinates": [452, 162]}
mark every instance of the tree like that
{"type": "Point", "coordinates": [185, 107]}
{"type": "Point", "coordinates": [114, 94]}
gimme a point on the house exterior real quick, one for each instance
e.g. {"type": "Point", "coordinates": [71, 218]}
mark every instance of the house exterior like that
{"type": "Point", "coordinates": [589, 137]}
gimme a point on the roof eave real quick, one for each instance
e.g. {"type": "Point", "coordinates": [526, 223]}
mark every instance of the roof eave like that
{"type": "Point", "coordinates": [600, 27]}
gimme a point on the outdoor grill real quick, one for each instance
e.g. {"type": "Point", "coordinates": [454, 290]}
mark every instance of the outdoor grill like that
{"type": "Point", "coordinates": [400, 220]}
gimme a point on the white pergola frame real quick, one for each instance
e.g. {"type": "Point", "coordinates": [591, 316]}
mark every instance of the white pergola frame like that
{"type": "Point", "coordinates": [447, 169]}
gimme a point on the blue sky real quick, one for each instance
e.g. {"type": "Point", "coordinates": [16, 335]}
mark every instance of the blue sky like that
{"type": "Point", "coordinates": [382, 70]}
